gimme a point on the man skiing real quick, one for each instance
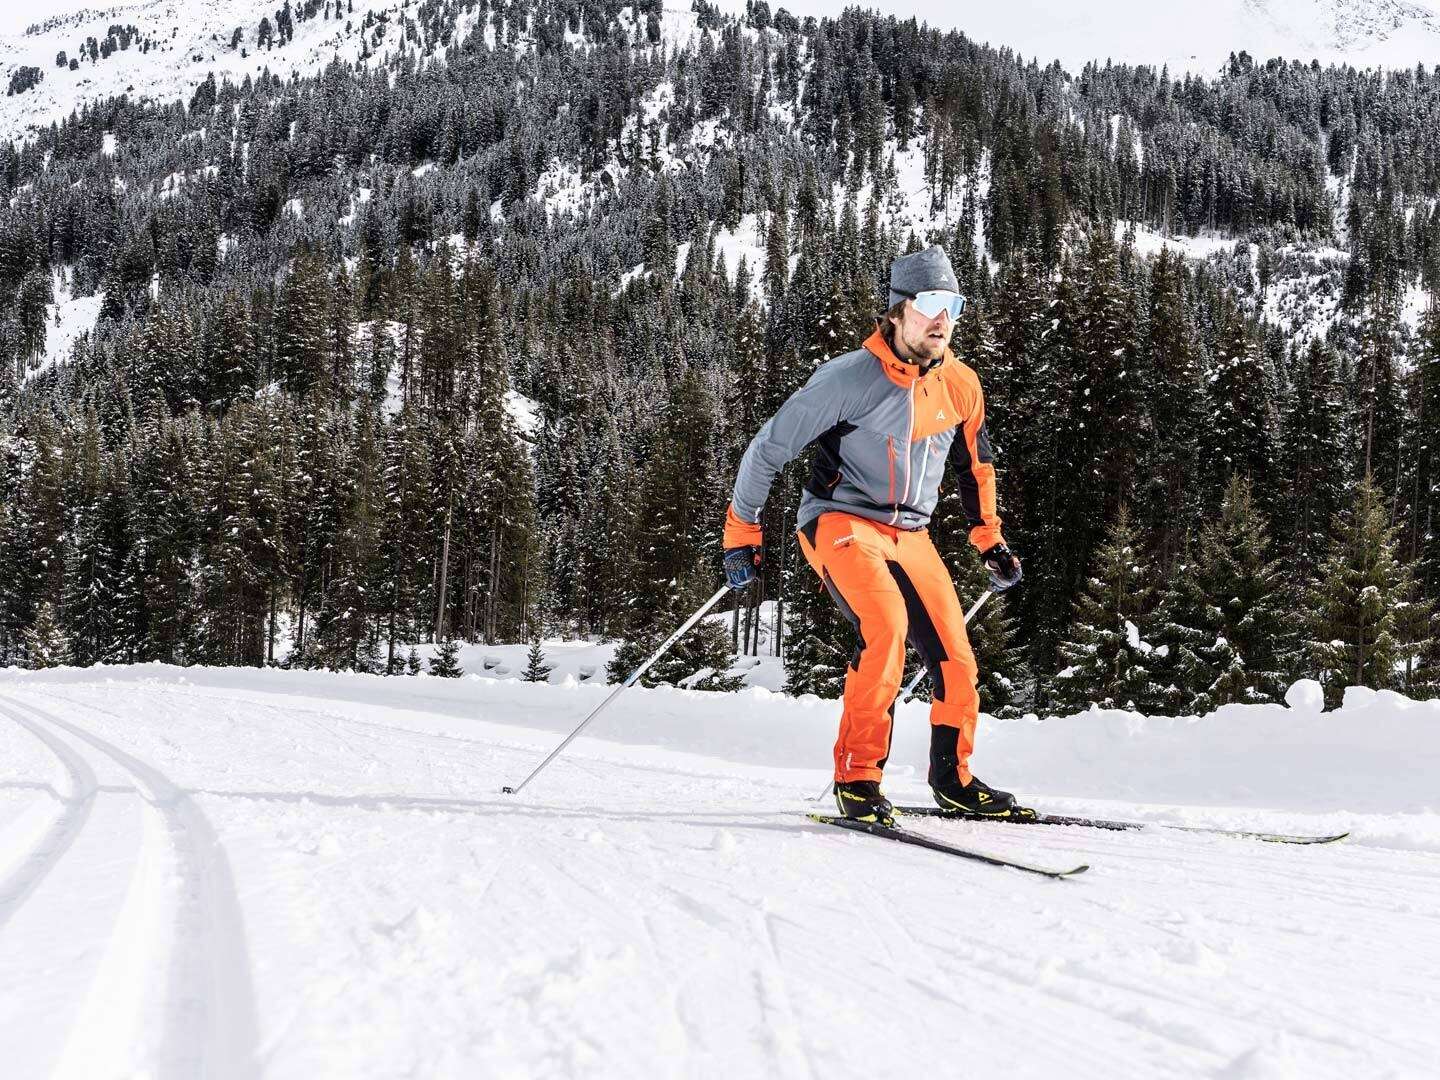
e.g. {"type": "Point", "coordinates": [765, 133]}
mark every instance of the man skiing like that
{"type": "Point", "coordinates": [885, 420]}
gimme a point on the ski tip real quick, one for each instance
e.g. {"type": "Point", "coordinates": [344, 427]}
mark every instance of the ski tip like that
{"type": "Point", "coordinates": [1325, 839]}
{"type": "Point", "coordinates": [1073, 871]}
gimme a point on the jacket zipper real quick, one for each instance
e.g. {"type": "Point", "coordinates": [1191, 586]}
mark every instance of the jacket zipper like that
{"type": "Point", "coordinates": [909, 437]}
{"type": "Point", "coordinates": [924, 461]}
{"type": "Point", "coordinates": [890, 458]}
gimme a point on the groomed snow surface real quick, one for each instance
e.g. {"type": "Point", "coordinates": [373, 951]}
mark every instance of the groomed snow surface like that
{"type": "Point", "coordinates": [236, 873]}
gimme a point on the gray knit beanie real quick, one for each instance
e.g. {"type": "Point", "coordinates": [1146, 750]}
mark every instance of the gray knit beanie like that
{"type": "Point", "coordinates": [928, 269]}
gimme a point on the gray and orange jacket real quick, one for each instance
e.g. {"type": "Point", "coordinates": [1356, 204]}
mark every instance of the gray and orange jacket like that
{"type": "Point", "coordinates": [883, 433]}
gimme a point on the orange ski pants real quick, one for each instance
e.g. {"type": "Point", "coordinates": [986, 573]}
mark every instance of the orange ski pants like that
{"type": "Point", "coordinates": [892, 586]}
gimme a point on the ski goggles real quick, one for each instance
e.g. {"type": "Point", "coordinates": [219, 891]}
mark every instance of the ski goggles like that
{"type": "Point", "coordinates": [932, 302]}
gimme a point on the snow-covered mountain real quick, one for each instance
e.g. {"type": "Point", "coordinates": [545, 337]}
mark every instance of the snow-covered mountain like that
{"type": "Point", "coordinates": [1186, 36]}
{"type": "Point", "coordinates": [163, 49]}
{"type": "Point", "coordinates": [177, 43]}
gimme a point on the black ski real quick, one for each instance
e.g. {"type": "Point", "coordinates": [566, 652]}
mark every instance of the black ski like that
{"type": "Point", "coordinates": [1119, 826]}
{"type": "Point", "coordinates": [887, 832]}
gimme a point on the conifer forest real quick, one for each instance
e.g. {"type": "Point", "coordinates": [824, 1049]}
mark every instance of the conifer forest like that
{"type": "Point", "coordinates": [467, 345]}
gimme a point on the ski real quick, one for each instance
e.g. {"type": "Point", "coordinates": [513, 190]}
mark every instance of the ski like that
{"type": "Point", "coordinates": [1120, 826]}
{"type": "Point", "coordinates": [887, 832]}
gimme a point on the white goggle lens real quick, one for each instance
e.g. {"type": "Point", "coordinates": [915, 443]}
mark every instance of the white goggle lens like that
{"type": "Point", "coordinates": [932, 302]}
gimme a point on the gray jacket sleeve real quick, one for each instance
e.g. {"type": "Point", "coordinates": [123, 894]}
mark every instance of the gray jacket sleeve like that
{"type": "Point", "coordinates": [810, 412]}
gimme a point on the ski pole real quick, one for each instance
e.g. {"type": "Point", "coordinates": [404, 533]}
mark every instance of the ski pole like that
{"type": "Point", "coordinates": [629, 682]}
{"type": "Point", "coordinates": [906, 694]}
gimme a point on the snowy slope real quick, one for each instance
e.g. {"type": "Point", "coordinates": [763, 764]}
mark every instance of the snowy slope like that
{"type": "Point", "coordinates": [191, 40]}
{"type": "Point", "coordinates": [311, 875]}
{"type": "Point", "coordinates": [1186, 36]}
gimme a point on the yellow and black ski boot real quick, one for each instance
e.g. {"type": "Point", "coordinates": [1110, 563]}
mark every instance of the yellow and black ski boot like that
{"type": "Point", "coordinates": [976, 798]}
{"type": "Point", "coordinates": [862, 800]}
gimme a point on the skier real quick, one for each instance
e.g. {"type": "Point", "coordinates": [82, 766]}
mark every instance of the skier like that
{"type": "Point", "coordinates": [885, 419]}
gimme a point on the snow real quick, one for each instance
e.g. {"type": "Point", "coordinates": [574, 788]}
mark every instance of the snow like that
{"type": "Point", "coordinates": [1149, 241]}
{"type": "Point", "coordinates": [359, 199]}
{"type": "Point", "coordinates": [1414, 303]}
{"type": "Point", "coordinates": [1306, 696]}
{"type": "Point", "coordinates": [524, 412]}
{"type": "Point", "coordinates": [172, 183]}
{"type": "Point", "coordinates": [108, 148]}
{"type": "Point", "coordinates": [228, 871]}
{"type": "Point", "coordinates": [190, 40]}
{"type": "Point", "coordinates": [66, 319]}
{"type": "Point", "coordinates": [744, 242]}
{"type": "Point", "coordinates": [1186, 37]}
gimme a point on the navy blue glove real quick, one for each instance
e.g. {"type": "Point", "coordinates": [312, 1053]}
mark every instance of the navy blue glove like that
{"type": "Point", "coordinates": [1004, 567]}
{"type": "Point", "coordinates": [740, 564]}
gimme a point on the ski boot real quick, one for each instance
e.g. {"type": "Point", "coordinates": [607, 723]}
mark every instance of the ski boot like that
{"type": "Point", "coordinates": [977, 798]}
{"type": "Point", "coordinates": [862, 800]}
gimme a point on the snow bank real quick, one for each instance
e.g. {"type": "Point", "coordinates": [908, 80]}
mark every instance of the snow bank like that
{"type": "Point", "coordinates": [1378, 754]}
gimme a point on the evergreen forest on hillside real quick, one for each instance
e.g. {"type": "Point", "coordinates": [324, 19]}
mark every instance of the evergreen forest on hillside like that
{"type": "Point", "coordinates": [455, 346]}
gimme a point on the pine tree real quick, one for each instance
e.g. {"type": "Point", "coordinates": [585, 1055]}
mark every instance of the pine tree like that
{"type": "Point", "coordinates": [1108, 661]}
{"type": "Point", "coordinates": [1169, 498]}
{"type": "Point", "coordinates": [1240, 403]}
{"type": "Point", "coordinates": [536, 669]}
{"type": "Point", "coordinates": [45, 643]}
{"type": "Point", "coordinates": [698, 661]}
{"type": "Point", "coordinates": [1425, 524]}
{"type": "Point", "coordinates": [302, 341]}
{"type": "Point", "coordinates": [446, 663]}
{"type": "Point", "coordinates": [1227, 617]}
{"type": "Point", "coordinates": [819, 643]}
{"type": "Point", "coordinates": [1314, 460]}
{"type": "Point", "coordinates": [1364, 603]}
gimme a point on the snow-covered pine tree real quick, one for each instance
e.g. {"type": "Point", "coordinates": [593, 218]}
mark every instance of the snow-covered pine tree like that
{"type": "Point", "coordinates": [1240, 435]}
{"type": "Point", "coordinates": [1181, 625]}
{"type": "Point", "coordinates": [1107, 660]}
{"type": "Point", "coordinates": [302, 327]}
{"type": "Point", "coordinates": [1227, 616]}
{"type": "Point", "coordinates": [536, 667]}
{"type": "Point", "coordinates": [1362, 603]}
{"type": "Point", "coordinates": [44, 643]}
{"type": "Point", "coordinates": [819, 642]}
{"type": "Point", "coordinates": [1315, 461]}
{"type": "Point", "coordinates": [445, 664]}
{"type": "Point", "coordinates": [1425, 527]}
{"type": "Point", "coordinates": [672, 547]}
{"type": "Point", "coordinates": [1168, 499]}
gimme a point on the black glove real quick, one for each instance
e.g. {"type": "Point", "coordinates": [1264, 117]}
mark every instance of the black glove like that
{"type": "Point", "coordinates": [1004, 567]}
{"type": "Point", "coordinates": [740, 564]}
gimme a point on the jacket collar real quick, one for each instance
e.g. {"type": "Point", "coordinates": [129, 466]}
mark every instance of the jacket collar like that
{"type": "Point", "coordinates": [901, 372]}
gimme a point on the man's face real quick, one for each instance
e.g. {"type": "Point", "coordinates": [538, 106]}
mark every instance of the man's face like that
{"type": "Point", "coordinates": [922, 338]}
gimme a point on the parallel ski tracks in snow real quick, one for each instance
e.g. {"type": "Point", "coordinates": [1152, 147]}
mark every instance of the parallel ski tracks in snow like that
{"type": "Point", "coordinates": [76, 797]}
{"type": "Point", "coordinates": [171, 995]}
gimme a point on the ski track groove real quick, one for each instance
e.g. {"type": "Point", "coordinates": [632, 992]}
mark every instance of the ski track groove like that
{"type": "Point", "coordinates": [209, 966]}
{"type": "Point", "coordinates": [1101, 996]}
{"type": "Point", "coordinates": [75, 807]}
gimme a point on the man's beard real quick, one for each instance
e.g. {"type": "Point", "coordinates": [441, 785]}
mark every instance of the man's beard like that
{"type": "Point", "coordinates": [926, 348]}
